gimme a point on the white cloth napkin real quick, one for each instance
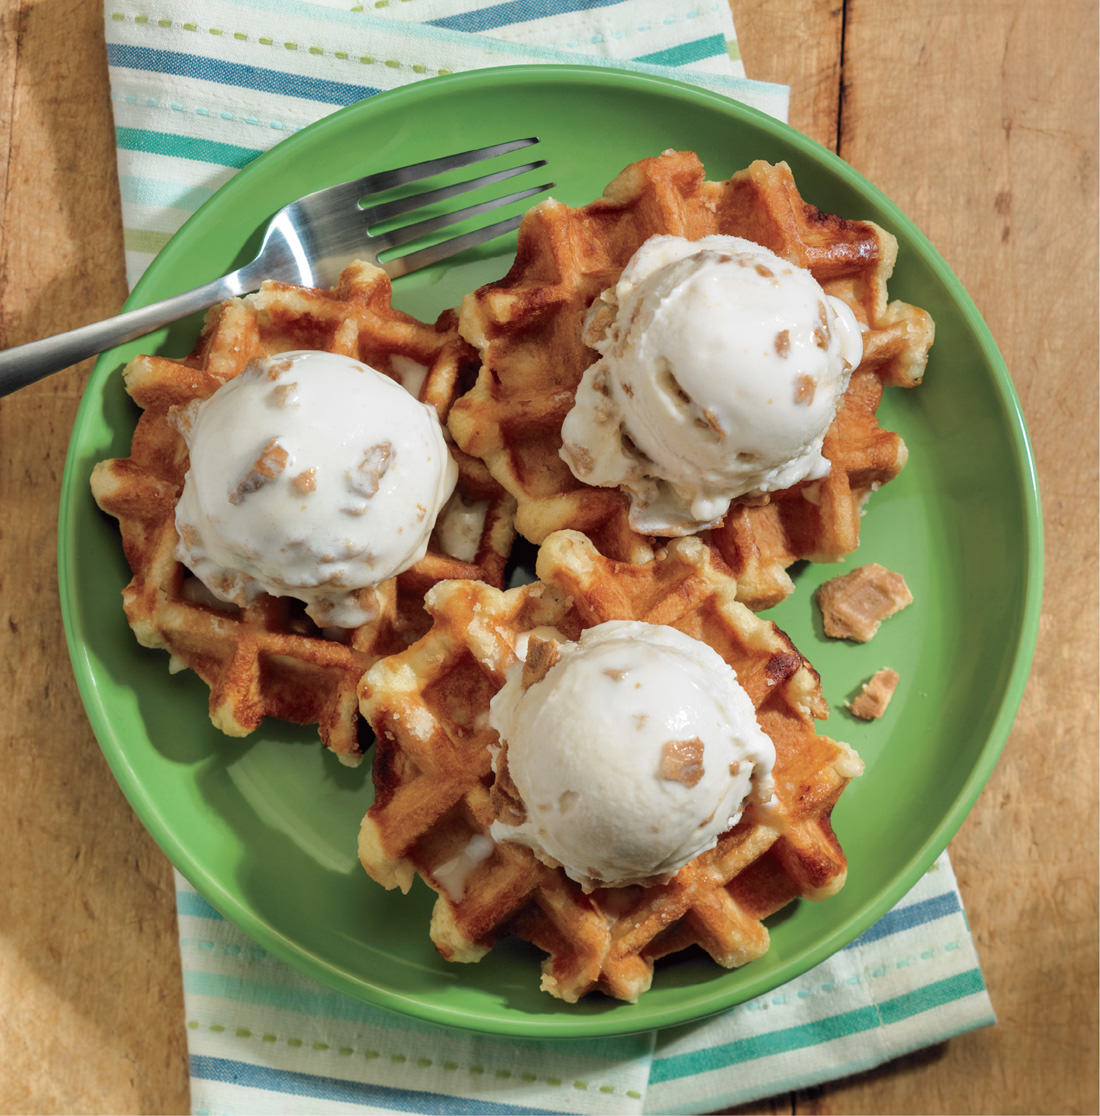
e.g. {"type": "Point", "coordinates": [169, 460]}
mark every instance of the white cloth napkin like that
{"type": "Point", "coordinates": [200, 88]}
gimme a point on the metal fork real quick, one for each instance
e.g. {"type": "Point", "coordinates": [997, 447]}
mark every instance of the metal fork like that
{"type": "Point", "coordinates": [309, 242]}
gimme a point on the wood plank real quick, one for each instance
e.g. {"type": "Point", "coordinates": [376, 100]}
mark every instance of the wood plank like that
{"type": "Point", "coordinates": [798, 44]}
{"type": "Point", "coordinates": [980, 121]}
{"type": "Point", "coordinates": [9, 38]}
{"type": "Point", "coordinates": [89, 969]}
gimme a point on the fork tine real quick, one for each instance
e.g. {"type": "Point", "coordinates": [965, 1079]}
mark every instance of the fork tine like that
{"type": "Point", "coordinates": [407, 233]}
{"type": "Point", "coordinates": [401, 206]}
{"type": "Point", "coordinates": [400, 176]}
{"type": "Point", "coordinates": [425, 257]}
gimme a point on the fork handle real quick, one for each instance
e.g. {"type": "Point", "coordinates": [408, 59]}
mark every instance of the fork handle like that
{"type": "Point", "coordinates": [24, 364]}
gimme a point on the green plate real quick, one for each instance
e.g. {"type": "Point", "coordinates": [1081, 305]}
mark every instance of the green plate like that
{"type": "Point", "coordinates": [266, 828]}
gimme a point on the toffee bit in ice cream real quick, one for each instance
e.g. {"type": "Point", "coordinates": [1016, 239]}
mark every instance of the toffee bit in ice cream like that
{"type": "Point", "coordinates": [305, 481]}
{"type": "Point", "coordinates": [630, 755]}
{"type": "Point", "coordinates": [369, 472]}
{"type": "Point", "coordinates": [285, 395]}
{"type": "Point", "coordinates": [711, 419]}
{"type": "Point", "coordinates": [311, 475]}
{"type": "Point", "coordinates": [583, 462]}
{"type": "Point", "coordinates": [682, 761]}
{"type": "Point", "coordinates": [718, 336]}
{"type": "Point", "coordinates": [542, 654]}
{"type": "Point", "coordinates": [276, 368]}
{"type": "Point", "coordinates": [266, 468]}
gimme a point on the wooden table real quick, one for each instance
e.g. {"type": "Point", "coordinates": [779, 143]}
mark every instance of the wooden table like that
{"type": "Point", "coordinates": [980, 119]}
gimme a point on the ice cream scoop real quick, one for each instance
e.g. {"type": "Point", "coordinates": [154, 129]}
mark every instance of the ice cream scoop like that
{"type": "Point", "coordinates": [625, 754]}
{"type": "Point", "coordinates": [311, 476]}
{"type": "Point", "coordinates": [721, 369]}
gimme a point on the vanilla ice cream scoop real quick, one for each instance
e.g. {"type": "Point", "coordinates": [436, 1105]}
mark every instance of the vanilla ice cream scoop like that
{"type": "Point", "coordinates": [722, 367]}
{"type": "Point", "coordinates": [311, 476]}
{"type": "Point", "coordinates": [626, 754]}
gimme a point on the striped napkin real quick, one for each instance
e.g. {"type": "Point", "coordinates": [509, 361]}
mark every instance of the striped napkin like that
{"type": "Point", "coordinates": [199, 89]}
{"type": "Point", "coordinates": [264, 1039]}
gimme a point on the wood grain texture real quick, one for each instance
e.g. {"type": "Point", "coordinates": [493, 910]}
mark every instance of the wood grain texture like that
{"type": "Point", "coordinates": [980, 120]}
{"type": "Point", "coordinates": [89, 972]}
{"type": "Point", "coordinates": [1004, 183]}
{"type": "Point", "coordinates": [797, 43]}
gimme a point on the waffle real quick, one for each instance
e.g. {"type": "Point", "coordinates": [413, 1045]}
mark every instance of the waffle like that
{"type": "Point", "coordinates": [527, 328]}
{"type": "Point", "coordinates": [433, 779]}
{"type": "Point", "coordinates": [268, 659]}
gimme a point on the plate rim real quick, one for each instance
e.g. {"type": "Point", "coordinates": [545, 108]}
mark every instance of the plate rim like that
{"type": "Point", "coordinates": [631, 1018]}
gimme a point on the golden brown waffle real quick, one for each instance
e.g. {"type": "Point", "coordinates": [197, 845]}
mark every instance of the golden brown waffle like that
{"type": "Point", "coordinates": [269, 659]}
{"type": "Point", "coordinates": [432, 773]}
{"type": "Point", "coordinates": [527, 328]}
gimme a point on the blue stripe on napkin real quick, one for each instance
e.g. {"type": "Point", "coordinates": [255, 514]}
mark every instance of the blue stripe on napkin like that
{"type": "Point", "coordinates": [904, 918]}
{"type": "Point", "coordinates": [516, 11]}
{"type": "Point", "coordinates": [236, 74]}
{"type": "Point", "coordinates": [252, 1076]}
